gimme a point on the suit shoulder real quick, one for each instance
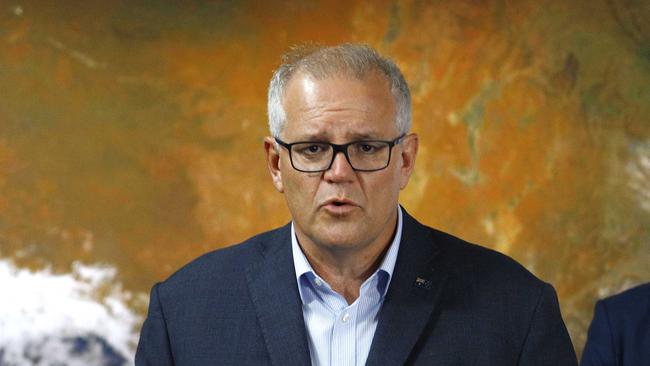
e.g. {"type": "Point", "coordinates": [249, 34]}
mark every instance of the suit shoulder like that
{"type": "Point", "coordinates": [481, 261]}
{"type": "Point", "coordinates": [631, 301]}
{"type": "Point", "coordinates": [479, 275]}
{"type": "Point", "coordinates": [224, 263]}
{"type": "Point", "coordinates": [636, 293]}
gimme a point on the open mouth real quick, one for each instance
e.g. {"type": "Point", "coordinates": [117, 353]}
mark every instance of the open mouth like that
{"type": "Point", "coordinates": [339, 207]}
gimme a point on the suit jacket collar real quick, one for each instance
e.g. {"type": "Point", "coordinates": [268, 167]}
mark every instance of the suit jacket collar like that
{"type": "Point", "coordinates": [411, 300]}
{"type": "Point", "coordinates": [272, 285]}
{"type": "Point", "coordinates": [408, 306]}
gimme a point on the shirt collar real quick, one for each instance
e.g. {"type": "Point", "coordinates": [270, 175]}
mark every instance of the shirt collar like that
{"type": "Point", "coordinates": [387, 265]}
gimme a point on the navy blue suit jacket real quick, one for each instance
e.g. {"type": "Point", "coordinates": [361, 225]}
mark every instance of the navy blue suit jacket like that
{"type": "Point", "coordinates": [619, 334]}
{"type": "Point", "coordinates": [449, 303]}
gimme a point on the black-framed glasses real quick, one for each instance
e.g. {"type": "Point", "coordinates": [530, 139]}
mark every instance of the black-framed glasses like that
{"type": "Point", "coordinates": [318, 156]}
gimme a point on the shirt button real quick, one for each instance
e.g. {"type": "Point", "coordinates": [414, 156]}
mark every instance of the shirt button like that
{"type": "Point", "coordinates": [345, 317]}
{"type": "Point", "coordinates": [318, 282]}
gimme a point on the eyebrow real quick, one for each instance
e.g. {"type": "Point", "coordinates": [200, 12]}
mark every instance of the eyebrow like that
{"type": "Point", "coordinates": [364, 136]}
{"type": "Point", "coordinates": [324, 138]}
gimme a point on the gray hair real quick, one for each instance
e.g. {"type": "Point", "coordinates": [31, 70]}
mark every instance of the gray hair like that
{"type": "Point", "coordinates": [347, 59]}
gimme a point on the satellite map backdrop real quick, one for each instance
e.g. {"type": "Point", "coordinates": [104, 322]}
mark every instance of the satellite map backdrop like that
{"type": "Point", "coordinates": [131, 142]}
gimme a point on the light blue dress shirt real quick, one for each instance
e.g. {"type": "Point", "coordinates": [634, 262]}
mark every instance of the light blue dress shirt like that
{"type": "Point", "coordinates": [340, 334]}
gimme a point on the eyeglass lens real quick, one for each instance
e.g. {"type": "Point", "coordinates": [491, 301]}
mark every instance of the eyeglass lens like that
{"type": "Point", "coordinates": [362, 155]}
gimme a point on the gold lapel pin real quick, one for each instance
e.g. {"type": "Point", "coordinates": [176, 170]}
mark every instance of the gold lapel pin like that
{"type": "Point", "coordinates": [422, 283]}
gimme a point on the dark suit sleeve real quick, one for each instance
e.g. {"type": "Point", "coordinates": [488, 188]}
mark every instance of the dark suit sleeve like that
{"type": "Point", "coordinates": [547, 341]}
{"type": "Point", "coordinates": [153, 348]}
{"type": "Point", "coordinates": [599, 350]}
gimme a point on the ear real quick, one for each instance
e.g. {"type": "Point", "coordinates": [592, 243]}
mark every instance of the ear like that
{"type": "Point", "coordinates": [409, 151]}
{"type": "Point", "coordinates": [273, 162]}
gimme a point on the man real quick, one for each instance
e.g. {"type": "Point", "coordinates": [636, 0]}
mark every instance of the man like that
{"type": "Point", "coordinates": [619, 334]}
{"type": "Point", "coordinates": [353, 279]}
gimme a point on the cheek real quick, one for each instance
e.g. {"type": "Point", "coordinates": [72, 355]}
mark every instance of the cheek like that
{"type": "Point", "coordinates": [383, 190]}
{"type": "Point", "coordinates": [394, 178]}
{"type": "Point", "coordinates": [298, 190]}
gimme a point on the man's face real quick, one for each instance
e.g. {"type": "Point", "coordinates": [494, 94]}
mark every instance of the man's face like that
{"type": "Point", "coordinates": [341, 208]}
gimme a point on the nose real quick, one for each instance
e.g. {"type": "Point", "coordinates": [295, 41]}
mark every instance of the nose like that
{"type": "Point", "coordinates": [340, 170]}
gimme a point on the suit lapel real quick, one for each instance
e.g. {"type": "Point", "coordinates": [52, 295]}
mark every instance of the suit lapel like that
{"type": "Point", "coordinates": [272, 284]}
{"type": "Point", "coordinates": [414, 290]}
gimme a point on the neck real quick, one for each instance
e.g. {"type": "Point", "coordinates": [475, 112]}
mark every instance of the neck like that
{"type": "Point", "coordinates": [345, 269]}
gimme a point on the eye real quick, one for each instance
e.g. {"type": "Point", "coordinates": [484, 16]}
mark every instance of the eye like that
{"type": "Point", "coordinates": [310, 149]}
{"type": "Point", "coordinates": [366, 148]}
{"type": "Point", "coordinates": [314, 149]}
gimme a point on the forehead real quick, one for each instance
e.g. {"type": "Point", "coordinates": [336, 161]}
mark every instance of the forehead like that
{"type": "Point", "coordinates": [339, 107]}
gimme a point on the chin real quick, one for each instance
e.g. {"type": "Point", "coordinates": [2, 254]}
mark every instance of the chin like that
{"type": "Point", "coordinates": [339, 245]}
{"type": "Point", "coordinates": [341, 236]}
